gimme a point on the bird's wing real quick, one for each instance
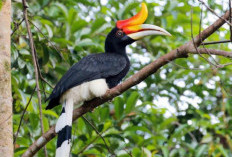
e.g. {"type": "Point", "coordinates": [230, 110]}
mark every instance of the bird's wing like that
{"type": "Point", "coordinates": [89, 68]}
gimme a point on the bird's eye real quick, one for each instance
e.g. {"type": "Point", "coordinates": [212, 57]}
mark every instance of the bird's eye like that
{"type": "Point", "coordinates": [119, 33]}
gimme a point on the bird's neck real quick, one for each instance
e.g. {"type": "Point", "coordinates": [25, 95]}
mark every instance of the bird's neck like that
{"type": "Point", "coordinates": [111, 47]}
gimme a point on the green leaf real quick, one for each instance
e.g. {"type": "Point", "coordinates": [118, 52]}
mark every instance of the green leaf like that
{"type": "Point", "coordinates": [24, 52]}
{"type": "Point", "coordinates": [45, 123]}
{"type": "Point", "coordinates": [114, 136]}
{"type": "Point", "coordinates": [131, 101]}
{"type": "Point", "coordinates": [200, 151]}
{"type": "Point", "coordinates": [165, 151]}
{"type": "Point", "coordinates": [104, 113]}
{"type": "Point", "coordinates": [51, 113]}
{"type": "Point", "coordinates": [126, 9]}
{"type": "Point", "coordinates": [97, 24]}
{"type": "Point", "coordinates": [49, 30]}
{"type": "Point", "coordinates": [136, 152]}
{"type": "Point", "coordinates": [62, 8]}
{"type": "Point", "coordinates": [223, 151]}
{"type": "Point", "coordinates": [119, 107]}
{"type": "Point", "coordinates": [45, 54]}
{"type": "Point", "coordinates": [78, 24]}
{"type": "Point", "coordinates": [85, 42]}
{"type": "Point", "coordinates": [19, 151]}
{"type": "Point", "coordinates": [34, 120]}
{"type": "Point", "coordinates": [21, 63]}
{"type": "Point", "coordinates": [136, 128]}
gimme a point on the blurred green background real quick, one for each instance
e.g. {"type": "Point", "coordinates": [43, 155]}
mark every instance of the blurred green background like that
{"type": "Point", "coordinates": [184, 109]}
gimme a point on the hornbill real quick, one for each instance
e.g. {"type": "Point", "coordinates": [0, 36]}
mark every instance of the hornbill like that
{"type": "Point", "coordinates": [93, 75]}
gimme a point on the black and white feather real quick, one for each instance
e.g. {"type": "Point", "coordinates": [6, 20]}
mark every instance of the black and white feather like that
{"type": "Point", "coordinates": [92, 67]}
{"type": "Point", "coordinates": [89, 78]}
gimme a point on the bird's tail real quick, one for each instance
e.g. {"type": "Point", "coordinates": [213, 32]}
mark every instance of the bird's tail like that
{"type": "Point", "coordinates": [64, 130]}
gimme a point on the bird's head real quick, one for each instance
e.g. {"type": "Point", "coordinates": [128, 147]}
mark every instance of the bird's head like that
{"type": "Point", "coordinates": [132, 29]}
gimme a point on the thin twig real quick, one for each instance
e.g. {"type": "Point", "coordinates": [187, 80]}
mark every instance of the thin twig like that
{"type": "Point", "coordinates": [128, 152]}
{"type": "Point", "coordinates": [111, 152]}
{"type": "Point", "coordinates": [91, 142]}
{"type": "Point", "coordinates": [187, 68]}
{"type": "Point", "coordinates": [40, 74]}
{"type": "Point", "coordinates": [200, 23]}
{"type": "Point", "coordinates": [53, 45]}
{"type": "Point", "coordinates": [224, 95]}
{"type": "Point", "coordinates": [37, 63]}
{"type": "Point", "coordinates": [87, 145]}
{"type": "Point", "coordinates": [32, 46]}
{"type": "Point", "coordinates": [230, 20]}
{"type": "Point", "coordinates": [215, 42]}
{"type": "Point", "coordinates": [17, 26]}
{"type": "Point", "coordinates": [212, 11]}
{"type": "Point", "coordinates": [227, 92]}
{"type": "Point", "coordinates": [43, 79]}
{"type": "Point", "coordinates": [24, 111]}
{"type": "Point", "coordinates": [212, 52]}
{"type": "Point", "coordinates": [190, 134]}
{"type": "Point", "coordinates": [45, 91]}
{"type": "Point", "coordinates": [223, 65]}
{"type": "Point", "coordinates": [193, 42]}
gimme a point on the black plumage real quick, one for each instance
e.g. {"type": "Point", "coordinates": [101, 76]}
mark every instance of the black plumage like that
{"type": "Point", "coordinates": [64, 134]}
{"type": "Point", "coordinates": [112, 65]}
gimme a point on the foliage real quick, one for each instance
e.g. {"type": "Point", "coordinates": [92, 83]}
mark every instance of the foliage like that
{"type": "Point", "coordinates": [175, 112]}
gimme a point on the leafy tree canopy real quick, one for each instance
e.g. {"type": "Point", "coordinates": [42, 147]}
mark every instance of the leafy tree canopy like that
{"type": "Point", "coordinates": [184, 109]}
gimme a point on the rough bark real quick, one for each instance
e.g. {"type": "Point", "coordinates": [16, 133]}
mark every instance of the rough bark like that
{"type": "Point", "coordinates": [6, 133]}
{"type": "Point", "coordinates": [180, 52]}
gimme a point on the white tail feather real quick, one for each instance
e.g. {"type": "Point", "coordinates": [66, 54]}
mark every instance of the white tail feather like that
{"type": "Point", "coordinates": [65, 120]}
{"type": "Point", "coordinates": [64, 150]}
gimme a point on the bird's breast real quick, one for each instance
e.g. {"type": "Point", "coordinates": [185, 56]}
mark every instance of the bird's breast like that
{"type": "Point", "coordinates": [86, 91]}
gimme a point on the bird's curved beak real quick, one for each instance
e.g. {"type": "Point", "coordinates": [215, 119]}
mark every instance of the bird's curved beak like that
{"type": "Point", "coordinates": [139, 31]}
{"type": "Point", "coordinates": [135, 29]}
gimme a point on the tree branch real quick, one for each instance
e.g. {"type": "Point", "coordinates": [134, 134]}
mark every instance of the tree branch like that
{"type": "Point", "coordinates": [230, 20]}
{"type": "Point", "coordinates": [212, 11]}
{"type": "Point", "coordinates": [193, 41]}
{"type": "Point", "coordinates": [99, 134]}
{"type": "Point", "coordinates": [17, 26]}
{"type": "Point", "coordinates": [32, 46]}
{"type": "Point", "coordinates": [212, 52]}
{"type": "Point", "coordinates": [151, 68]}
{"type": "Point", "coordinates": [215, 42]}
{"type": "Point", "coordinates": [52, 44]}
{"type": "Point", "coordinates": [24, 111]}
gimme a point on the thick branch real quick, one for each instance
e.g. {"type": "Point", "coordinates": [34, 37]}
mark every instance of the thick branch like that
{"type": "Point", "coordinates": [180, 52]}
